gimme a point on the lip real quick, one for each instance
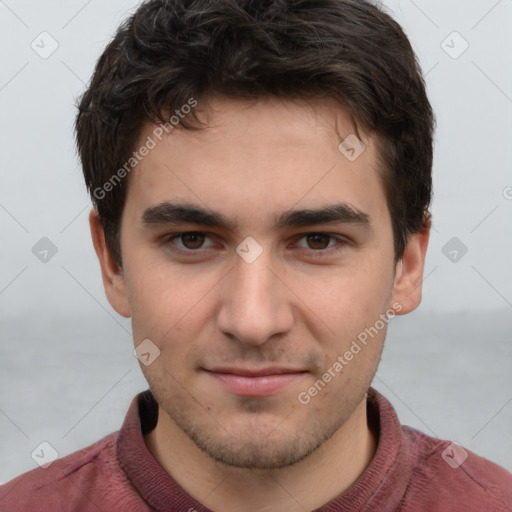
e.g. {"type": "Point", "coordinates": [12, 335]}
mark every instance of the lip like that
{"type": "Point", "coordinates": [255, 382]}
{"type": "Point", "coordinates": [255, 372]}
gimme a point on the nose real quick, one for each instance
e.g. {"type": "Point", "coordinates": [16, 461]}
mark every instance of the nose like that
{"type": "Point", "coordinates": [256, 304]}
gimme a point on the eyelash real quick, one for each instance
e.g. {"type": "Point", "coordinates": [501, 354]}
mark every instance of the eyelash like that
{"type": "Point", "coordinates": [341, 242]}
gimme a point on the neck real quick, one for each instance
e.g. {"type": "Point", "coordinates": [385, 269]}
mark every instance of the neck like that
{"type": "Point", "coordinates": [307, 485]}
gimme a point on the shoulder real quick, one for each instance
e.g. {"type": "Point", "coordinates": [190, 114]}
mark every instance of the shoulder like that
{"type": "Point", "coordinates": [72, 482]}
{"type": "Point", "coordinates": [446, 476]}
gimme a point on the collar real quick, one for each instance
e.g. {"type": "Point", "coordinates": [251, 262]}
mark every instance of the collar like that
{"type": "Point", "coordinates": [384, 480]}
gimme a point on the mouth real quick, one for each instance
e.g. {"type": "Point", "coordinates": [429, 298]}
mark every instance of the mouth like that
{"type": "Point", "coordinates": [255, 382]}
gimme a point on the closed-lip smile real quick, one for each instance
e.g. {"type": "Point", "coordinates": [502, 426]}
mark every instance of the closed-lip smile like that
{"type": "Point", "coordinates": [255, 382]}
{"type": "Point", "coordinates": [247, 372]}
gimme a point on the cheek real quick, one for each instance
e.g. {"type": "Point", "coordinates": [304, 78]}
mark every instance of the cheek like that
{"type": "Point", "coordinates": [351, 307]}
{"type": "Point", "coordinates": [355, 294]}
{"type": "Point", "coordinates": [166, 302]}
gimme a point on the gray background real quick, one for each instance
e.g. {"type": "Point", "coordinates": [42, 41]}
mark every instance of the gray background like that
{"type": "Point", "coordinates": [67, 373]}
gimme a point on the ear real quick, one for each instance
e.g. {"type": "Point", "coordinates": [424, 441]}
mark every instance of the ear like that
{"type": "Point", "coordinates": [409, 272]}
{"type": "Point", "coordinates": [111, 273]}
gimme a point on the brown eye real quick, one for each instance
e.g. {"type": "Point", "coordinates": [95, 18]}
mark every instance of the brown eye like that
{"type": "Point", "coordinates": [190, 243]}
{"type": "Point", "coordinates": [318, 241]}
{"type": "Point", "coordinates": [192, 240]}
{"type": "Point", "coordinates": [322, 245]}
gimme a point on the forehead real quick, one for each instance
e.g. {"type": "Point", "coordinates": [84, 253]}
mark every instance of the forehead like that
{"type": "Point", "coordinates": [259, 158]}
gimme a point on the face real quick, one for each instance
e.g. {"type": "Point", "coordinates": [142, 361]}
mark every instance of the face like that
{"type": "Point", "coordinates": [255, 307]}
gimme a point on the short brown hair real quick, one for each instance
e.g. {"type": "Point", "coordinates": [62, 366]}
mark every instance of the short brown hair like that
{"type": "Point", "coordinates": [169, 51]}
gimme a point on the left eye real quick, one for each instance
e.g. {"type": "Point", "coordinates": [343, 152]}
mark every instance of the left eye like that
{"type": "Point", "coordinates": [191, 241]}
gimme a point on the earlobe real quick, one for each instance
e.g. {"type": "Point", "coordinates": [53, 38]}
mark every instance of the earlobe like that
{"type": "Point", "coordinates": [111, 273]}
{"type": "Point", "coordinates": [407, 289]}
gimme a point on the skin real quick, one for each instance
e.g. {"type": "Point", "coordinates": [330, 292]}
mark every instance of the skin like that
{"type": "Point", "coordinates": [289, 307]}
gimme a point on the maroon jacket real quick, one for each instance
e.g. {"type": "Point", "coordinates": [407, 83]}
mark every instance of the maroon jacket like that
{"type": "Point", "coordinates": [410, 472]}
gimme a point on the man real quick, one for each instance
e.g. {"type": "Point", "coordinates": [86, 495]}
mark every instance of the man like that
{"type": "Point", "coordinates": [261, 179]}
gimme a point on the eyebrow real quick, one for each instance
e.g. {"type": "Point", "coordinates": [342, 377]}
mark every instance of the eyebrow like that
{"type": "Point", "coordinates": [183, 213]}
